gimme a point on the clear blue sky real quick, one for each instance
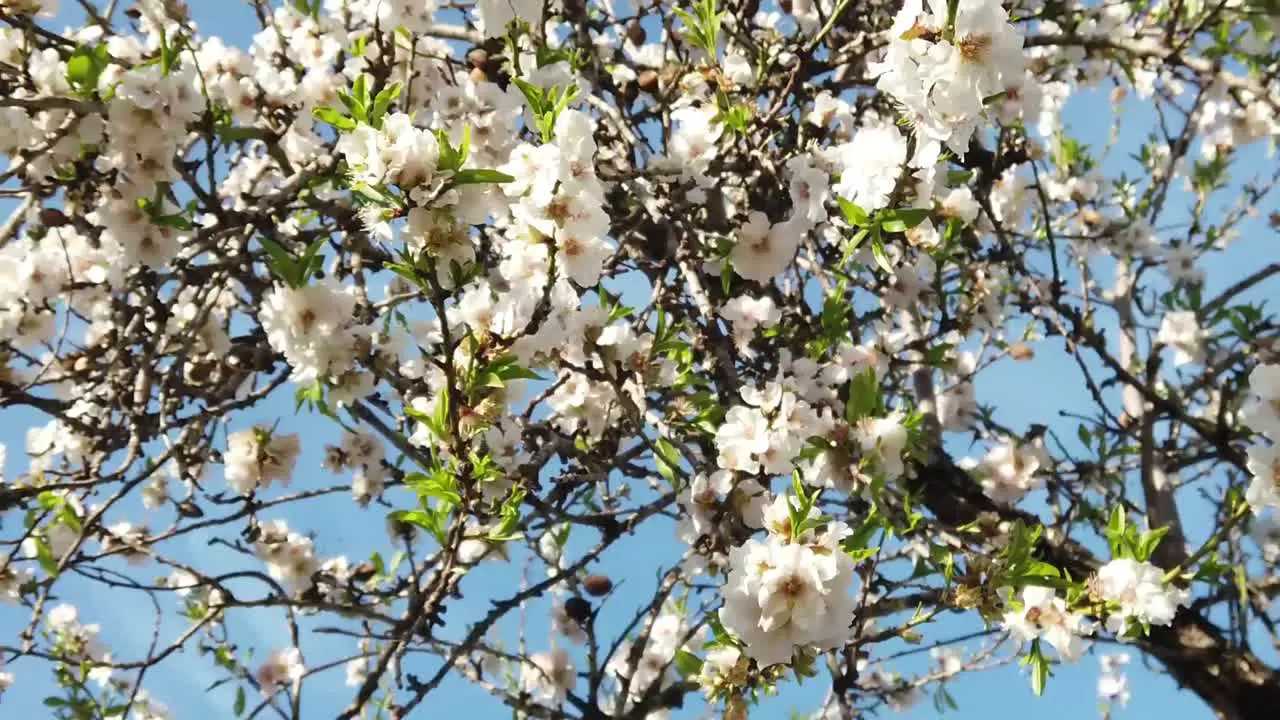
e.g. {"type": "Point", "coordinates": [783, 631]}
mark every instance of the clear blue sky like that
{"type": "Point", "coordinates": [1024, 393]}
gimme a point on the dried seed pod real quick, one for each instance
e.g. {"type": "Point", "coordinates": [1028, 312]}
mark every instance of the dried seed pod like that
{"type": "Point", "coordinates": [628, 91]}
{"type": "Point", "coordinates": [597, 585]}
{"type": "Point", "coordinates": [648, 80]}
{"type": "Point", "coordinates": [52, 217]}
{"type": "Point", "coordinates": [578, 609]}
{"type": "Point", "coordinates": [636, 33]}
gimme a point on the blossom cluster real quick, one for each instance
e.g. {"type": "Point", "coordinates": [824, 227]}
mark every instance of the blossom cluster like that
{"type": "Point", "coordinates": [652, 666]}
{"type": "Point", "coordinates": [943, 65]}
{"type": "Point", "coordinates": [792, 591]}
{"type": "Point", "coordinates": [1136, 591]}
{"type": "Point", "coordinates": [256, 458]}
{"type": "Point", "coordinates": [1262, 414]}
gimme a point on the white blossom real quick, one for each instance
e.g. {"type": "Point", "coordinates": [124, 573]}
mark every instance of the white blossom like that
{"type": "Point", "coordinates": [1139, 591]}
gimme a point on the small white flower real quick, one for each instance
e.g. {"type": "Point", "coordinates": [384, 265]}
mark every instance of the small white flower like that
{"type": "Point", "coordinates": [1138, 588]}
{"type": "Point", "coordinates": [1045, 615]}
{"type": "Point", "coordinates": [283, 667]}
{"type": "Point", "coordinates": [1262, 412]}
{"type": "Point", "coordinates": [762, 251]}
{"type": "Point", "coordinates": [256, 458]}
{"type": "Point", "coordinates": [1264, 490]}
{"type": "Point", "coordinates": [549, 676]}
{"type": "Point", "coordinates": [1180, 330]}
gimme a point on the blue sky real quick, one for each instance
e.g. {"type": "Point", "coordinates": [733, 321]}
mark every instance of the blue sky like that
{"type": "Point", "coordinates": [1024, 393]}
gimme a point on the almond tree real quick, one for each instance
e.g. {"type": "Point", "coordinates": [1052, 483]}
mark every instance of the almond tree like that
{"type": "Point", "coordinates": [528, 281]}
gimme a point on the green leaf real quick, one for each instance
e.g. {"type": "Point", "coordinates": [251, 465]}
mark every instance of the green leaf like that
{"type": "Point", "coordinates": [877, 250]}
{"type": "Point", "coordinates": [282, 263]}
{"type": "Point", "coordinates": [408, 272]}
{"type": "Point", "coordinates": [417, 518]}
{"type": "Point", "coordinates": [373, 195]}
{"type": "Point", "coordinates": [510, 514]}
{"type": "Point", "coordinates": [852, 246]}
{"type": "Point", "coordinates": [903, 219]}
{"type": "Point", "coordinates": [416, 414]}
{"type": "Point", "coordinates": [858, 545]}
{"type": "Point", "coordinates": [464, 147]}
{"type": "Point", "coordinates": [473, 176]}
{"type": "Point", "coordinates": [1241, 583]}
{"type": "Point", "coordinates": [45, 556]}
{"type": "Point", "coordinates": [532, 94]}
{"type": "Point", "coordinates": [1039, 676]}
{"type": "Point", "coordinates": [48, 500]}
{"type": "Point", "coordinates": [893, 225]}
{"type": "Point", "coordinates": [864, 396]}
{"type": "Point", "coordinates": [1039, 569]}
{"type": "Point", "coordinates": [358, 112]}
{"type": "Point", "coordinates": [382, 102]}
{"type": "Point", "coordinates": [311, 261]}
{"type": "Point", "coordinates": [169, 54]}
{"type": "Point", "coordinates": [309, 395]}
{"type": "Point", "coordinates": [938, 354]}
{"type": "Point", "coordinates": [688, 664]}
{"type": "Point", "coordinates": [176, 221]}
{"type": "Point", "coordinates": [276, 251]}
{"type": "Point", "coordinates": [942, 700]}
{"type": "Point", "coordinates": [85, 66]}
{"type": "Point", "coordinates": [334, 118]}
{"type": "Point", "coordinates": [1116, 530]}
{"type": "Point", "coordinates": [450, 159]}
{"type": "Point", "coordinates": [236, 133]}
{"type": "Point", "coordinates": [360, 91]}
{"type": "Point", "coordinates": [1148, 543]}
{"type": "Point", "coordinates": [667, 460]}
{"type": "Point", "coordinates": [854, 214]}
{"type": "Point", "coordinates": [720, 635]}
{"type": "Point", "coordinates": [440, 485]}
{"type": "Point", "coordinates": [1039, 666]}
{"type": "Point", "coordinates": [238, 708]}
{"type": "Point", "coordinates": [508, 368]}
